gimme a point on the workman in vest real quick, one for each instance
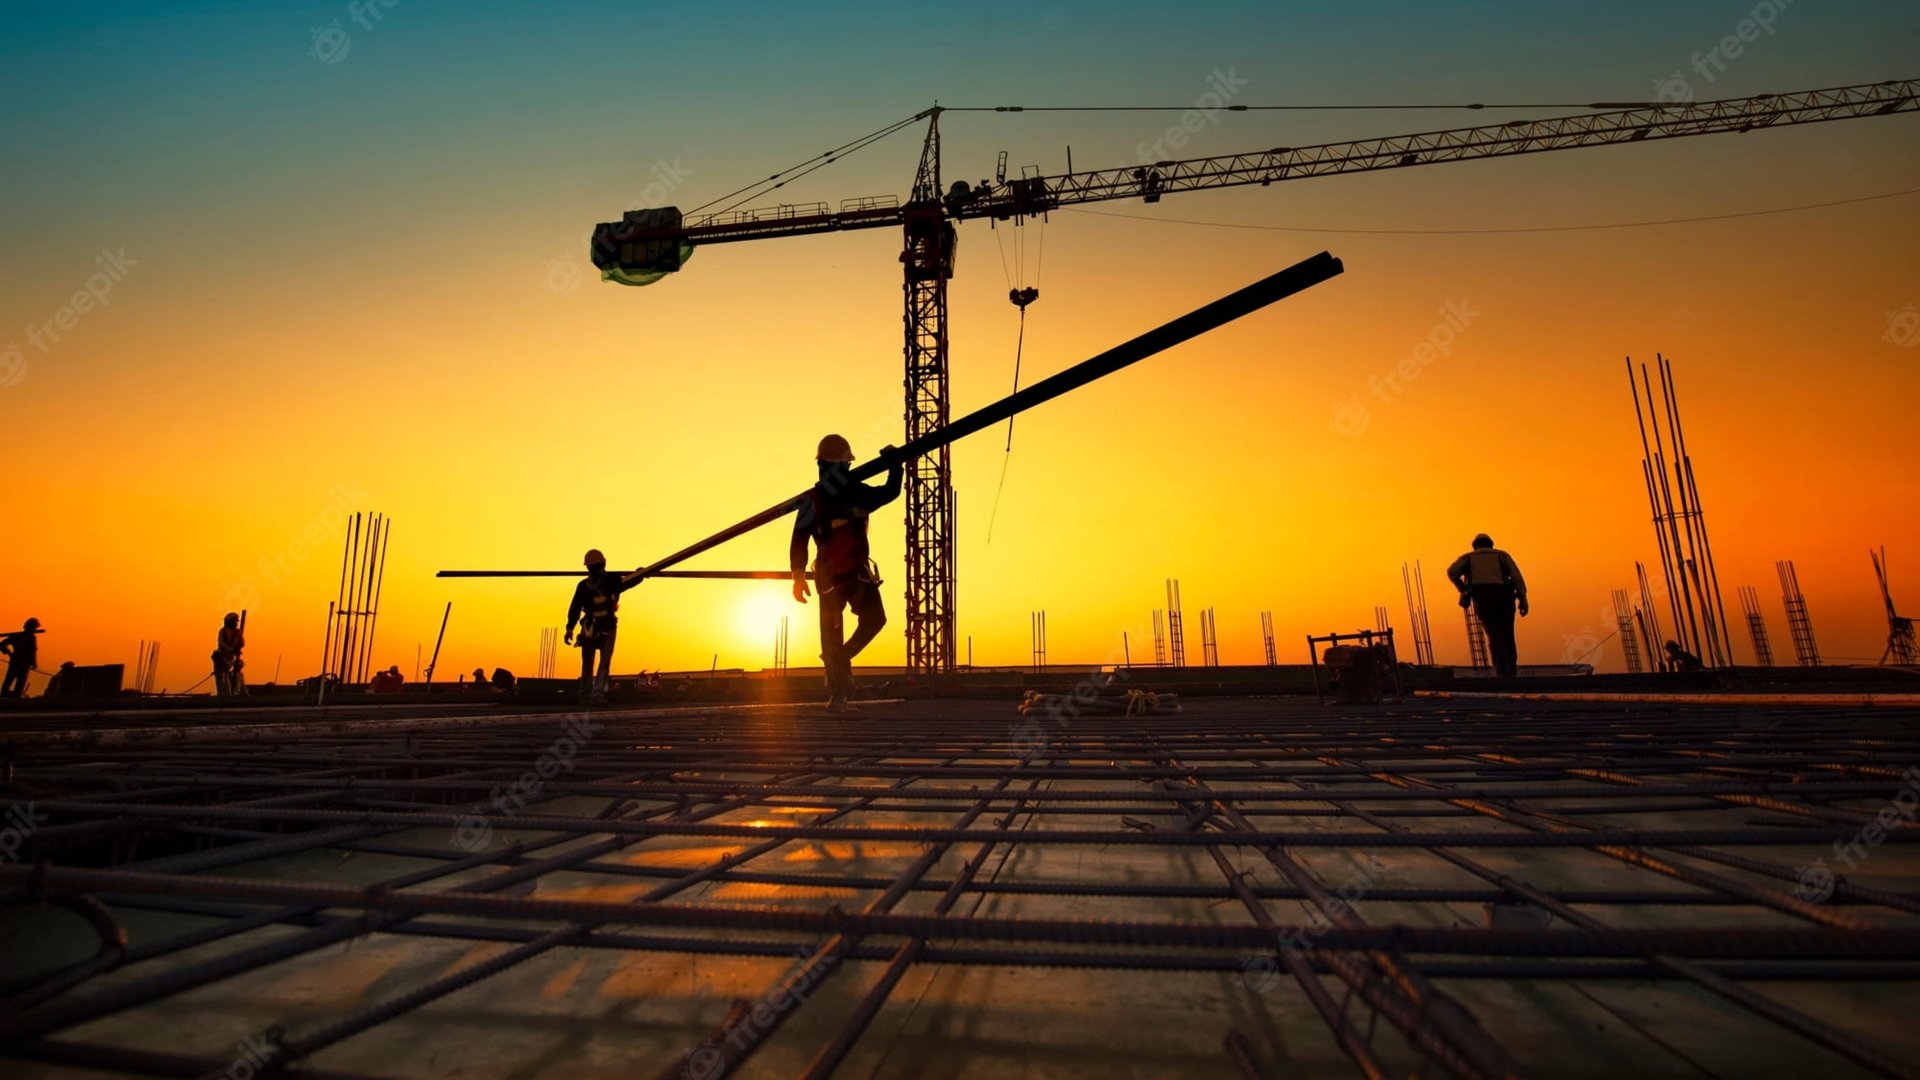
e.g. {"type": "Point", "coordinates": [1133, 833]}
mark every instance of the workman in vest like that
{"type": "Point", "coordinates": [596, 607]}
{"type": "Point", "coordinates": [228, 681]}
{"type": "Point", "coordinates": [834, 516]}
{"type": "Point", "coordinates": [22, 651]}
{"type": "Point", "coordinates": [1491, 584]}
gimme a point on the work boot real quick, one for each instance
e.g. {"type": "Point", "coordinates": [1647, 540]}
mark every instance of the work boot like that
{"type": "Point", "coordinates": [839, 705]}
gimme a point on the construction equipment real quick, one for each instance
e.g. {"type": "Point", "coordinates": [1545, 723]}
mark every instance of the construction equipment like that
{"type": "Point", "coordinates": [647, 244]}
{"type": "Point", "coordinates": [1900, 645]}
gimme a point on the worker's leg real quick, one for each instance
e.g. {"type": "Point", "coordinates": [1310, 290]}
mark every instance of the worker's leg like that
{"type": "Point", "coordinates": [833, 650]}
{"type": "Point", "coordinates": [1494, 605]}
{"type": "Point", "coordinates": [864, 600]}
{"type": "Point", "coordinates": [15, 683]}
{"type": "Point", "coordinates": [586, 666]}
{"type": "Point", "coordinates": [603, 682]}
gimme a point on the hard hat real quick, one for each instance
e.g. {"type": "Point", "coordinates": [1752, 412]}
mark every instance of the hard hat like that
{"type": "Point", "coordinates": [232, 616]}
{"type": "Point", "coordinates": [33, 624]}
{"type": "Point", "coordinates": [594, 558]}
{"type": "Point", "coordinates": [1483, 541]}
{"type": "Point", "coordinates": [834, 448]}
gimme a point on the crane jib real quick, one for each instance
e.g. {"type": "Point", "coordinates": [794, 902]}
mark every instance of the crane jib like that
{"type": "Point", "coordinates": [647, 244]}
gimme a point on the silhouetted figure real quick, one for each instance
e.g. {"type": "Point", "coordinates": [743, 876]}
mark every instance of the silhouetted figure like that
{"type": "Point", "coordinates": [228, 682]}
{"type": "Point", "coordinates": [1679, 659]}
{"type": "Point", "coordinates": [387, 682]}
{"type": "Point", "coordinates": [22, 650]}
{"type": "Point", "coordinates": [596, 607]}
{"type": "Point", "coordinates": [480, 683]}
{"type": "Point", "coordinates": [64, 682]}
{"type": "Point", "coordinates": [502, 679]}
{"type": "Point", "coordinates": [834, 516]}
{"type": "Point", "coordinates": [1489, 581]}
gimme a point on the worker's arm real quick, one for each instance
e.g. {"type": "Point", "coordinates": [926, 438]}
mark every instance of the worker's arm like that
{"type": "Point", "coordinates": [628, 581]}
{"type": "Point", "coordinates": [1513, 577]}
{"type": "Point", "coordinates": [873, 498]}
{"type": "Point", "coordinates": [1457, 573]}
{"type": "Point", "coordinates": [797, 548]}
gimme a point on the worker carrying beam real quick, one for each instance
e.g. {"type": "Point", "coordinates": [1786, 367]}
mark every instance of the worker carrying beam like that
{"type": "Point", "coordinates": [229, 678]}
{"type": "Point", "coordinates": [834, 516]}
{"type": "Point", "coordinates": [1491, 584]}
{"type": "Point", "coordinates": [596, 608]}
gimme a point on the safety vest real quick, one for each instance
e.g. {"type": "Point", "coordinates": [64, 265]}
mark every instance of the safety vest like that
{"type": "Point", "coordinates": [840, 532]}
{"type": "Point", "coordinates": [603, 602]}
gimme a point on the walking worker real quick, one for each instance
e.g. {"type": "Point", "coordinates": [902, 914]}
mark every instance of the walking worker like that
{"type": "Point", "coordinates": [834, 516]}
{"type": "Point", "coordinates": [22, 650]}
{"type": "Point", "coordinates": [228, 681]}
{"type": "Point", "coordinates": [596, 607]}
{"type": "Point", "coordinates": [1491, 584]}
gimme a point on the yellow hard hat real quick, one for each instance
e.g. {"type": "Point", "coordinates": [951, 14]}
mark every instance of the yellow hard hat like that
{"type": "Point", "coordinates": [834, 448]}
{"type": "Point", "coordinates": [594, 558]}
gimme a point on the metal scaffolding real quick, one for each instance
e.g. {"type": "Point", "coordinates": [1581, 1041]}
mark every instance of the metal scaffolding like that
{"type": "Point", "coordinates": [1713, 850]}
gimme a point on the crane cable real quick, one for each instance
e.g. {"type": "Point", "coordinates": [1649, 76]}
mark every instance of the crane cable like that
{"type": "Point", "coordinates": [1019, 296]}
{"type": "Point", "coordinates": [796, 171]}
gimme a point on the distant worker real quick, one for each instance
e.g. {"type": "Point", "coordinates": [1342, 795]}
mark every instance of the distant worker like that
{"type": "Point", "coordinates": [64, 682]}
{"type": "Point", "coordinates": [834, 515]}
{"type": "Point", "coordinates": [1679, 659]}
{"type": "Point", "coordinates": [1491, 584]}
{"type": "Point", "coordinates": [480, 683]}
{"type": "Point", "coordinates": [22, 650]}
{"type": "Point", "coordinates": [596, 607]}
{"type": "Point", "coordinates": [228, 680]}
{"type": "Point", "coordinates": [387, 682]}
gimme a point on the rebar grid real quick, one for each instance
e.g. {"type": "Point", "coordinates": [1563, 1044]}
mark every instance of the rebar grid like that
{"type": "Point", "coordinates": [1358, 886]}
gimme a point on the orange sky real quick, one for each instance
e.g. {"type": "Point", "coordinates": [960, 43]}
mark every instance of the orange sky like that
{"type": "Point", "coordinates": [405, 332]}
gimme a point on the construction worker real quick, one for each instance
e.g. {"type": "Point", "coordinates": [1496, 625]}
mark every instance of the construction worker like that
{"type": "Point", "coordinates": [387, 682]}
{"type": "Point", "coordinates": [596, 607]}
{"type": "Point", "coordinates": [1491, 584]}
{"type": "Point", "coordinates": [834, 516]}
{"type": "Point", "coordinates": [21, 650]}
{"type": "Point", "coordinates": [1679, 659]}
{"type": "Point", "coordinates": [228, 682]}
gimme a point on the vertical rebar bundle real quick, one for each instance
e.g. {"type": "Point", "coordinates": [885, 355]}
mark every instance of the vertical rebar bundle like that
{"type": "Point", "coordinates": [1159, 638]}
{"type": "Point", "coordinates": [356, 613]}
{"type": "Point", "coordinates": [1176, 638]}
{"type": "Point", "coordinates": [1900, 644]}
{"type": "Point", "coordinates": [1756, 626]}
{"type": "Point", "coordinates": [1623, 621]}
{"type": "Point", "coordinates": [1648, 618]}
{"type": "Point", "coordinates": [1416, 588]}
{"type": "Point", "coordinates": [1037, 626]}
{"type": "Point", "coordinates": [144, 668]}
{"type": "Point", "coordinates": [1799, 624]}
{"type": "Point", "coordinates": [1679, 523]}
{"type": "Point", "coordinates": [1477, 641]}
{"type": "Point", "coordinates": [1266, 638]}
{"type": "Point", "coordinates": [1209, 639]}
{"type": "Point", "coordinates": [780, 646]}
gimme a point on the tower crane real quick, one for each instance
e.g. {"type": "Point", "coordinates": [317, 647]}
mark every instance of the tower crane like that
{"type": "Point", "coordinates": [648, 244]}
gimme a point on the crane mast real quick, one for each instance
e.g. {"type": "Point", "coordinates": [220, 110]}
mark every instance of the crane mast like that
{"type": "Point", "coordinates": [648, 244]}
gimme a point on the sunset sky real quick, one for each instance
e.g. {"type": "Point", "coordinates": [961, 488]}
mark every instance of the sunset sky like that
{"type": "Point", "coordinates": [339, 255]}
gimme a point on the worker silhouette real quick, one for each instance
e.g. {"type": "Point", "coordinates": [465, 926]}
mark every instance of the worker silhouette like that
{"type": "Point", "coordinates": [1490, 582]}
{"type": "Point", "coordinates": [834, 516]}
{"type": "Point", "coordinates": [596, 607]}
{"type": "Point", "coordinates": [22, 650]}
{"type": "Point", "coordinates": [1679, 659]}
{"type": "Point", "coordinates": [228, 682]}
